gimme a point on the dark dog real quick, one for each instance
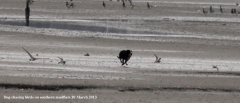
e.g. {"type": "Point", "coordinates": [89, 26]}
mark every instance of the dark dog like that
{"type": "Point", "coordinates": [124, 56]}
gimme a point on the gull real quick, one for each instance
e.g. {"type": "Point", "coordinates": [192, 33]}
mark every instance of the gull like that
{"type": "Point", "coordinates": [31, 57]}
{"type": "Point", "coordinates": [62, 61]}
{"type": "Point", "coordinates": [215, 67]}
{"type": "Point", "coordinates": [157, 59]}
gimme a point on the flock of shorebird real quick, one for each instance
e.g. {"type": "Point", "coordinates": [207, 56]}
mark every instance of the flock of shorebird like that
{"type": "Point", "coordinates": [233, 10]}
{"type": "Point", "coordinates": [130, 1]}
{"type": "Point", "coordinates": [158, 59]}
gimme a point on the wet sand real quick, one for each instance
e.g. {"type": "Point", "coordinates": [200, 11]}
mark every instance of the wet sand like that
{"type": "Point", "coordinates": [188, 42]}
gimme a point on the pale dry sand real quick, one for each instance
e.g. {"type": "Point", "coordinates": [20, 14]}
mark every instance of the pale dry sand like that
{"type": "Point", "coordinates": [189, 42]}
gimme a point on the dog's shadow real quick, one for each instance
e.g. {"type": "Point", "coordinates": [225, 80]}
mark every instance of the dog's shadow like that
{"type": "Point", "coordinates": [124, 67]}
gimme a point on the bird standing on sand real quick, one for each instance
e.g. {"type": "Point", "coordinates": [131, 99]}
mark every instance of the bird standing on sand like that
{"type": "Point", "coordinates": [148, 5]}
{"type": "Point", "coordinates": [62, 61]}
{"type": "Point", "coordinates": [158, 60]}
{"type": "Point", "coordinates": [132, 6]}
{"type": "Point", "coordinates": [104, 4]}
{"type": "Point", "coordinates": [31, 1]}
{"type": "Point", "coordinates": [211, 9]}
{"type": "Point", "coordinates": [67, 5]}
{"type": "Point", "coordinates": [215, 67]}
{"type": "Point", "coordinates": [31, 57]}
{"type": "Point", "coordinates": [232, 11]}
{"type": "Point", "coordinates": [204, 12]}
{"type": "Point", "coordinates": [71, 5]}
{"type": "Point", "coordinates": [221, 10]}
{"type": "Point", "coordinates": [124, 4]}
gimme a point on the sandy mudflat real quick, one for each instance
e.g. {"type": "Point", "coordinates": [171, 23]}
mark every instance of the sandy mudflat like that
{"type": "Point", "coordinates": [188, 42]}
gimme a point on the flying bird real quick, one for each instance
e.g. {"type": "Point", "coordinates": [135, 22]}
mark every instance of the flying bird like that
{"type": "Point", "coordinates": [31, 57]}
{"type": "Point", "coordinates": [62, 61]}
{"type": "Point", "coordinates": [158, 60]}
{"type": "Point", "coordinates": [215, 67]}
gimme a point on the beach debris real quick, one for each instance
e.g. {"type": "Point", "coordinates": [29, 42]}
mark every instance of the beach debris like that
{"type": "Point", "coordinates": [104, 5]}
{"type": "Point", "coordinates": [158, 60]}
{"type": "Point", "coordinates": [31, 57]}
{"type": "Point", "coordinates": [215, 67]}
{"type": "Point", "coordinates": [124, 56]}
{"type": "Point", "coordinates": [86, 54]}
{"type": "Point", "coordinates": [62, 61]}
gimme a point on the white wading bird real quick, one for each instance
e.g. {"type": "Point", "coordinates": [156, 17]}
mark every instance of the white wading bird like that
{"type": "Point", "coordinates": [62, 61]}
{"type": "Point", "coordinates": [31, 57]}
{"type": "Point", "coordinates": [158, 60]}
